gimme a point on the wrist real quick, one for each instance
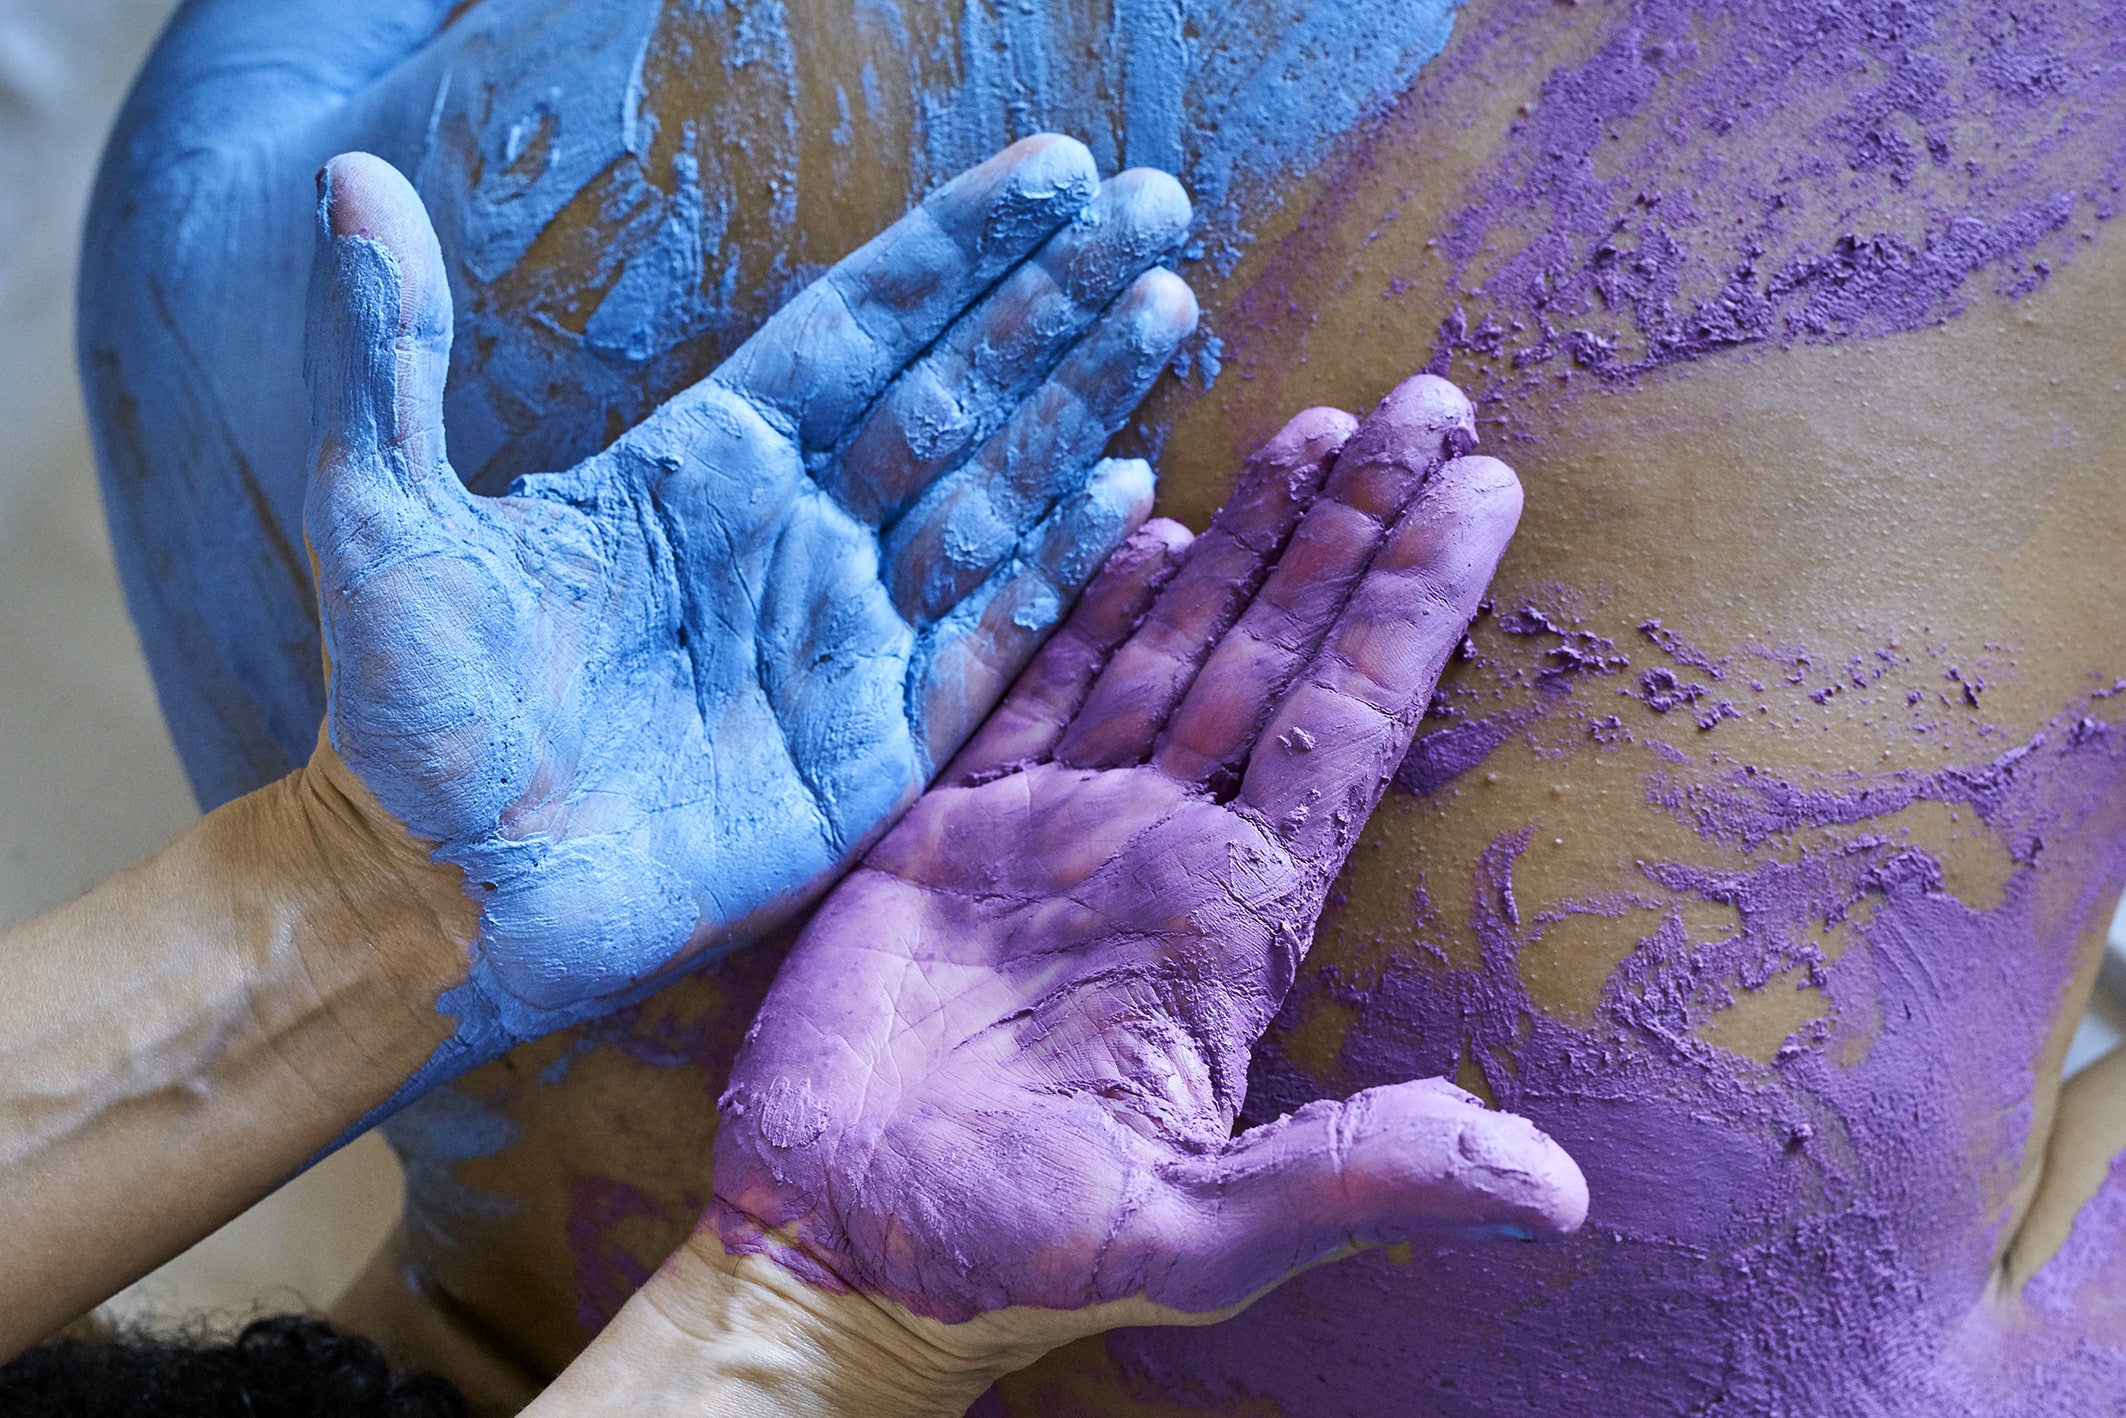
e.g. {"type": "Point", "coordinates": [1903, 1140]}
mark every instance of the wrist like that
{"type": "Point", "coordinates": [714, 1333]}
{"type": "Point", "coordinates": [369, 889]}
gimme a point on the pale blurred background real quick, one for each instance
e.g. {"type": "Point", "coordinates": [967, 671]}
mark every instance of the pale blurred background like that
{"type": "Point", "coordinates": [88, 782]}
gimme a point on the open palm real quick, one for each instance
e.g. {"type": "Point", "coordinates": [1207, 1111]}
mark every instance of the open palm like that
{"type": "Point", "coordinates": [1001, 1067]}
{"type": "Point", "coordinates": [656, 703]}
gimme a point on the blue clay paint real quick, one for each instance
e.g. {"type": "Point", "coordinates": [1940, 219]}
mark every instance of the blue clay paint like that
{"type": "Point", "coordinates": [510, 116]}
{"type": "Point", "coordinates": [453, 1126]}
{"type": "Point", "coordinates": [653, 705]}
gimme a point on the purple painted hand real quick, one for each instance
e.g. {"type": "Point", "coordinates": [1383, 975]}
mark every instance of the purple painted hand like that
{"type": "Point", "coordinates": [1001, 1067]}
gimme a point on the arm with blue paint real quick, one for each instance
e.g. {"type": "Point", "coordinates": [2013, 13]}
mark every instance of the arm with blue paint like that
{"type": "Point", "coordinates": [584, 736]}
{"type": "Point", "coordinates": [651, 707]}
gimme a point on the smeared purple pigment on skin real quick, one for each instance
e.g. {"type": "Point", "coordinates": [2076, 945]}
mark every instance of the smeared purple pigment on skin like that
{"type": "Point", "coordinates": [1812, 1235]}
{"type": "Point", "coordinates": [607, 1272]}
{"type": "Point", "coordinates": [1695, 187]}
{"type": "Point", "coordinates": [1803, 1236]}
{"type": "Point", "coordinates": [1966, 151]}
{"type": "Point", "coordinates": [1681, 650]}
{"type": "Point", "coordinates": [1439, 758]}
{"type": "Point", "coordinates": [1001, 1065]}
{"type": "Point", "coordinates": [1661, 691]}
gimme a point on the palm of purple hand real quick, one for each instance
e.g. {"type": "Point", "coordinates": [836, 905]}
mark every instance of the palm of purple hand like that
{"type": "Point", "coordinates": [1001, 1067]}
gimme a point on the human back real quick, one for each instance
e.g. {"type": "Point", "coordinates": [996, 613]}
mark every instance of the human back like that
{"type": "Point", "coordinates": [1760, 848]}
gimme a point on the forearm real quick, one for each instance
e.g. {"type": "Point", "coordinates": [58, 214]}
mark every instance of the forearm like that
{"type": "Point", "coordinates": [180, 1040]}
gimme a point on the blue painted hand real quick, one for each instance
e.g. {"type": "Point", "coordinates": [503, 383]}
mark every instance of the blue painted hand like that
{"type": "Point", "coordinates": [655, 704]}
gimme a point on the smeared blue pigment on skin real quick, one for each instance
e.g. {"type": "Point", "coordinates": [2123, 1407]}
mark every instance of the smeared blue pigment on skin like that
{"type": "Point", "coordinates": [521, 122]}
{"type": "Point", "coordinates": [450, 1127]}
{"type": "Point", "coordinates": [653, 705]}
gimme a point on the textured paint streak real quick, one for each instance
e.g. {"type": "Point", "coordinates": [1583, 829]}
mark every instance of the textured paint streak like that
{"type": "Point", "coordinates": [1714, 177]}
{"type": "Point", "coordinates": [451, 1127]}
{"type": "Point", "coordinates": [607, 1271]}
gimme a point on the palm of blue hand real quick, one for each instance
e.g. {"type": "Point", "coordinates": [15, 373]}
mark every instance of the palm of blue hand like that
{"type": "Point", "coordinates": [655, 704]}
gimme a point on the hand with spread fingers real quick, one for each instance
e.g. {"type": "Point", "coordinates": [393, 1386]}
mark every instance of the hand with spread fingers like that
{"type": "Point", "coordinates": [992, 1091]}
{"type": "Point", "coordinates": [653, 705]}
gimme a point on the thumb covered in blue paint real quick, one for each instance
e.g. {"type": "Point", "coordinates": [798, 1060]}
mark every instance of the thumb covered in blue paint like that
{"type": "Point", "coordinates": [378, 352]}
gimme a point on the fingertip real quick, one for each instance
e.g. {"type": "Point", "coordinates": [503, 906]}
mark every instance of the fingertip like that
{"type": "Point", "coordinates": [1051, 164]}
{"type": "Point", "coordinates": [1157, 543]}
{"type": "Point", "coordinates": [1309, 436]}
{"type": "Point", "coordinates": [1570, 1212]}
{"type": "Point", "coordinates": [1165, 305]}
{"type": "Point", "coordinates": [362, 196]}
{"type": "Point", "coordinates": [1424, 413]}
{"type": "Point", "coordinates": [1145, 557]}
{"type": "Point", "coordinates": [1155, 201]}
{"type": "Point", "coordinates": [1525, 1178]}
{"type": "Point", "coordinates": [1127, 485]}
{"type": "Point", "coordinates": [1445, 1090]}
{"type": "Point", "coordinates": [1433, 402]}
{"type": "Point", "coordinates": [1164, 535]}
{"type": "Point", "coordinates": [1489, 484]}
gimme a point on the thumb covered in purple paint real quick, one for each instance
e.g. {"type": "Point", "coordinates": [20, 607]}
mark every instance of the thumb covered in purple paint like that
{"type": "Point", "coordinates": [1381, 1166]}
{"type": "Point", "coordinates": [997, 1078]}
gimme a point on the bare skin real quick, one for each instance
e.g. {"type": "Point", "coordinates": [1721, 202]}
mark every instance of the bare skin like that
{"type": "Point", "coordinates": [1944, 490]}
{"type": "Point", "coordinates": [264, 974]}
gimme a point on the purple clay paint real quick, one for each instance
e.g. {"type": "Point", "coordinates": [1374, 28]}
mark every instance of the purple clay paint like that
{"type": "Point", "coordinates": [1718, 177]}
{"type": "Point", "coordinates": [1811, 1234]}
{"type": "Point", "coordinates": [1002, 1064]}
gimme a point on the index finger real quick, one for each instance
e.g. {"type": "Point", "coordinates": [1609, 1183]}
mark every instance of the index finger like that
{"type": "Point", "coordinates": [822, 359]}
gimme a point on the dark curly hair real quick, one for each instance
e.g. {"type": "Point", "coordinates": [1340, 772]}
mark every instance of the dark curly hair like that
{"type": "Point", "coordinates": [288, 1366]}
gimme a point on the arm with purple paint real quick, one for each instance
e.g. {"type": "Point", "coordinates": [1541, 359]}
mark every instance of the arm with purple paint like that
{"type": "Point", "coordinates": [583, 736]}
{"type": "Point", "coordinates": [988, 1106]}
